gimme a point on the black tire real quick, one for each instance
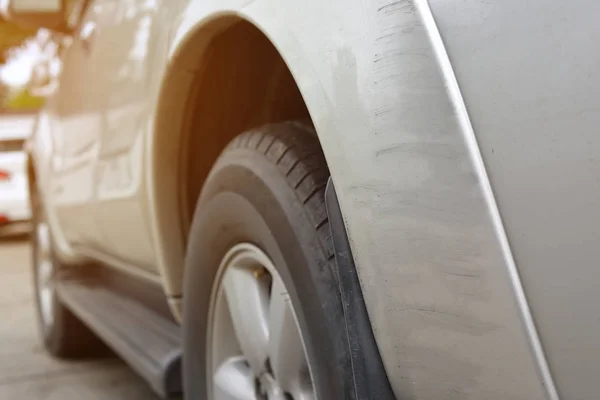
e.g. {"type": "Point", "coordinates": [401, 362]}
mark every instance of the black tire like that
{"type": "Point", "coordinates": [267, 188]}
{"type": "Point", "coordinates": [67, 337]}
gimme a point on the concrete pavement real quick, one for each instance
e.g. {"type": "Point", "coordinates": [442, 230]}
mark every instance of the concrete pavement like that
{"type": "Point", "coordinates": [26, 370]}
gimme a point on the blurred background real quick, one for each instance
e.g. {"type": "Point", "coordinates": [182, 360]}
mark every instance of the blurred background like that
{"type": "Point", "coordinates": [21, 52]}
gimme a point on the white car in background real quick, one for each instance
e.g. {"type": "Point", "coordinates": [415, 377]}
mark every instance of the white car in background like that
{"type": "Point", "coordinates": [14, 192]}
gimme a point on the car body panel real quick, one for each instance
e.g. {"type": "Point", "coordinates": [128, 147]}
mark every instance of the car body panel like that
{"type": "Point", "coordinates": [92, 185]}
{"type": "Point", "coordinates": [530, 83]}
{"type": "Point", "coordinates": [128, 39]}
{"type": "Point", "coordinates": [75, 125]}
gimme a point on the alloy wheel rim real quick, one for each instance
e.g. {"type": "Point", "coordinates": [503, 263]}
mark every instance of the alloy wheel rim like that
{"type": "Point", "coordinates": [255, 346]}
{"type": "Point", "coordinates": [45, 274]}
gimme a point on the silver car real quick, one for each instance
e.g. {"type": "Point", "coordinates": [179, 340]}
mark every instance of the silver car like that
{"type": "Point", "coordinates": [276, 199]}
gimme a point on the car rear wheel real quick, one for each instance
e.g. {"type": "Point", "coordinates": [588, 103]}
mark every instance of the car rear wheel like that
{"type": "Point", "coordinates": [254, 343]}
{"type": "Point", "coordinates": [262, 312]}
{"type": "Point", "coordinates": [64, 336]}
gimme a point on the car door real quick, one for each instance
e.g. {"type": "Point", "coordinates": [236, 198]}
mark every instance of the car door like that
{"type": "Point", "coordinates": [131, 42]}
{"type": "Point", "coordinates": [76, 117]}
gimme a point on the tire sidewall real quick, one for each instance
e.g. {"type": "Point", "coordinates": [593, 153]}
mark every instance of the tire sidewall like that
{"type": "Point", "coordinates": [239, 205]}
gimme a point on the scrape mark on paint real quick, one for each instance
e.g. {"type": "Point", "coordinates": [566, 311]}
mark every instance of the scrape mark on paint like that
{"type": "Point", "coordinates": [405, 5]}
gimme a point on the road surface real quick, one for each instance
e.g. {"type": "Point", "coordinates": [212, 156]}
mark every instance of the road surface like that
{"type": "Point", "coordinates": [26, 370]}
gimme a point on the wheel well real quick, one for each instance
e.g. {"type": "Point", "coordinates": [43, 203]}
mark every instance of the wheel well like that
{"type": "Point", "coordinates": [225, 79]}
{"type": "Point", "coordinates": [244, 83]}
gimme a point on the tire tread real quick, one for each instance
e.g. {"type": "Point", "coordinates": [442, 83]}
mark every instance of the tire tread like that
{"type": "Point", "coordinates": [292, 146]}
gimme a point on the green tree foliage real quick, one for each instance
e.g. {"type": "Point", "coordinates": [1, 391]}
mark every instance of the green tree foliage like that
{"type": "Point", "coordinates": [13, 36]}
{"type": "Point", "coordinates": [24, 100]}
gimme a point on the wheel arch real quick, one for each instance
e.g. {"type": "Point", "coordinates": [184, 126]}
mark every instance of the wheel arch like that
{"type": "Point", "coordinates": [205, 100]}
